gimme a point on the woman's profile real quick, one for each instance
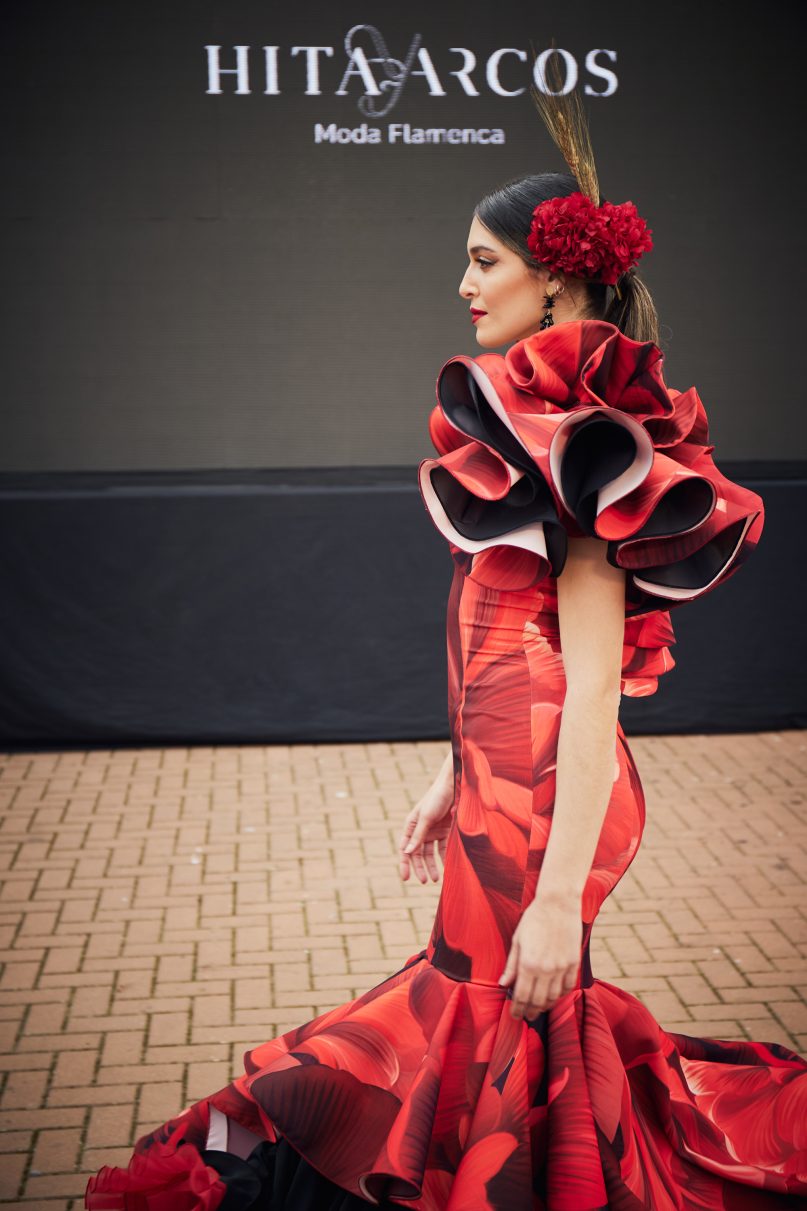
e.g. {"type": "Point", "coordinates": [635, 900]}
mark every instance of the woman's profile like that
{"type": "Point", "coordinates": [494, 1071]}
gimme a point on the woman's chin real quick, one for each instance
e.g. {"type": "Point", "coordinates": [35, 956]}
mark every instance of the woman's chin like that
{"type": "Point", "coordinates": [493, 336]}
{"type": "Point", "coordinates": [487, 339]}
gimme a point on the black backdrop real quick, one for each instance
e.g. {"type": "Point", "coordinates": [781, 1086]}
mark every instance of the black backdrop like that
{"type": "Point", "coordinates": [220, 339]}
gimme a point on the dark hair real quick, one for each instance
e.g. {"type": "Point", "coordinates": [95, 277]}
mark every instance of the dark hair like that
{"type": "Point", "coordinates": [507, 213]}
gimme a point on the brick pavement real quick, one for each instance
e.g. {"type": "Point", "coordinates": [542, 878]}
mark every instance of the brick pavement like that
{"type": "Point", "coordinates": [164, 910]}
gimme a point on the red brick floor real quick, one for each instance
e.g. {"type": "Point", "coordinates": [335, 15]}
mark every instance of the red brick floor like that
{"type": "Point", "coordinates": [165, 909]}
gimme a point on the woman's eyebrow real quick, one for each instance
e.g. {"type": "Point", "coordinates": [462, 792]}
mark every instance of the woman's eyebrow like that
{"type": "Point", "coordinates": [481, 248]}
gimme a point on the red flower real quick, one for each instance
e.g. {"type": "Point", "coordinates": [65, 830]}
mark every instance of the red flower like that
{"type": "Point", "coordinates": [574, 236]}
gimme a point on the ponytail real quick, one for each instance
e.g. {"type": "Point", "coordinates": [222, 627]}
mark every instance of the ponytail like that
{"type": "Point", "coordinates": [635, 313]}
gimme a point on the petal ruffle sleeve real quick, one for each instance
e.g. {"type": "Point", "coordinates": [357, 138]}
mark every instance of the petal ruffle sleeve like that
{"type": "Point", "coordinates": [574, 432]}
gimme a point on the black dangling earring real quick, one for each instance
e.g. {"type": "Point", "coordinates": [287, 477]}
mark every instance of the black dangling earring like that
{"type": "Point", "coordinates": [548, 321]}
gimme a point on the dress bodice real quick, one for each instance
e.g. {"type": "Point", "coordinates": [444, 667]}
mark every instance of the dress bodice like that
{"type": "Point", "coordinates": [646, 653]}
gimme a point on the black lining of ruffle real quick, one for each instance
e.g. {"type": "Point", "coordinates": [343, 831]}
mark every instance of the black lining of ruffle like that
{"type": "Point", "coordinates": [275, 1177]}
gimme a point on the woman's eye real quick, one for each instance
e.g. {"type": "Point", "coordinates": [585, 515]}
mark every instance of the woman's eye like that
{"type": "Point", "coordinates": [482, 261]}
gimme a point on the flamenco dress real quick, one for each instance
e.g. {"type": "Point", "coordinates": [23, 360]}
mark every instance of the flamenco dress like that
{"type": "Point", "coordinates": [425, 1092]}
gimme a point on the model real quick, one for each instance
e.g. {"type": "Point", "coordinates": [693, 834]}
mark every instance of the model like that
{"type": "Point", "coordinates": [494, 1072]}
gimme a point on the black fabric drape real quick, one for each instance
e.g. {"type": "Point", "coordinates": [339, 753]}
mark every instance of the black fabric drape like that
{"type": "Point", "coordinates": [276, 1178]}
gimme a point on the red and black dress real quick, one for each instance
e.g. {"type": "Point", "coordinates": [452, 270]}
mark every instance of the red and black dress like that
{"type": "Point", "coordinates": [425, 1092]}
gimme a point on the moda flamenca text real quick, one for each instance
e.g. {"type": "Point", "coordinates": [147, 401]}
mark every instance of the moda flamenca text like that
{"type": "Point", "coordinates": [402, 132]}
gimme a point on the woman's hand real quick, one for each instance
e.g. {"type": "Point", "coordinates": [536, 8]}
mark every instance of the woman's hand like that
{"type": "Point", "coordinates": [544, 954]}
{"type": "Point", "coordinates": [428, 821]}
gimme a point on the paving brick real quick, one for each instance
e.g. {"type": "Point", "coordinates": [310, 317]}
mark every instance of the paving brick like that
{"type": "Point", "coordinates": [292, 977]}
{"type": "Point", "coordinates": [15, 1141]}
{"type": "Point", "coordinates": [55, 1185]}
{"type": "Point", "coordinates": [20, 975]}
{"type": "Point", "coordinates": [85, 1096]}
{"type": "Point", "coordinates": [24, 1090]}
{"type": "Point", "coordinates": [122, 1047]}
{"type": "Point", "coordinates": [11, 1171]}
{"type": "Point", "coordinates": [167, 1028]}
{"type": "Point", "coordinates": [57, 1150]}
{"type": "Point", "coordinates": [364, 946]}
{"type": "Point", "coordinates": [91, 1001]}
{"type": "Point", "coordinates": [75, 1068]}
{"type": "Point", "coordinates": [212, 1011]}
{"type": "Point", "coordinates": [17, 1119]}
{"type": "Point", "coordinates": [174, 968]}
{"type": "Point", "coordinates": [45, 1018]}
{"type": "Point", "coordinates": [110, 1126]}
{"type": "Point", "coordinates": [160, 1101]}
{"type": "Point", "coordinates": [693, 989]}
{"type": "Point", "coordinates": [793, 1014]}
{"type": "Point", "coordinates": [167, 1070]}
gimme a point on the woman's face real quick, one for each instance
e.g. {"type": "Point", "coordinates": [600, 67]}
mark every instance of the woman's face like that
{"type": "Point", "coordinates": [508, 293]}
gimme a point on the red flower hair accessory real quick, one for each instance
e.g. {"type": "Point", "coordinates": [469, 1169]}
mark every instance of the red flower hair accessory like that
{"type": "Point", "coordinates": [572, 235]}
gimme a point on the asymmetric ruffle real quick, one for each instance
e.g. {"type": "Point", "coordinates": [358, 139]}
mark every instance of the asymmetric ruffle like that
{"type": "Point", "coordinates": [574, 432]}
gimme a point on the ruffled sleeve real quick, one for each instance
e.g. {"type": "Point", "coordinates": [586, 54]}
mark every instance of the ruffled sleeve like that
{"type": "Point", "coordinates": [574, 432]}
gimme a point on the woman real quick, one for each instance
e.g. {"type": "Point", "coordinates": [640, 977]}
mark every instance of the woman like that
{"type": "Point", "coordinates": [493, 1071]}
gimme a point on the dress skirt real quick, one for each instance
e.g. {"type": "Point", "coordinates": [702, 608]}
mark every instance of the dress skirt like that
{"type": "Point", "coordinates": [425, 1092]}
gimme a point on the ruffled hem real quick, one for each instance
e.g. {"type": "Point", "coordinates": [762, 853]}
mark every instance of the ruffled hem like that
{"type": "Point", "coordinates": [167, 1176]}
{"type": "Point", "coordinates": [272, 1175]}
{"type": "Point", "coordinates": [426, 1092]}
{"type": "Point", "coordinates": [574, 432]}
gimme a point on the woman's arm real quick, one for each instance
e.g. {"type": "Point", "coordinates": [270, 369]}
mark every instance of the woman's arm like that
{"type": "Point", "coordinates": [445, 774]}
{"type": "Point", "coordinates": [591, 616]}
{"type": "Point", "coordinates": [545, 954]}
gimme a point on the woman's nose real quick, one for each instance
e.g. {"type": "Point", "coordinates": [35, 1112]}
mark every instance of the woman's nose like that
{"type": "Point", "coordinates": [465, 288]}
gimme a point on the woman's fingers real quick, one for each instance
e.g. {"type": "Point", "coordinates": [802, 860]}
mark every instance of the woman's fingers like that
{"type": "Point", "coordinates": [524, 992]}
{"type": "Point", "coordinates": [417, 864]}
{"type": "Point", "coordinates": [511, 966]}
{"type": "Point", "coordinates": [403, 859]}
{"type": "Point", "coordinates": [554, 991]}
{"type": "Point", "coordinates": [431, 861]}
{"type": "Point", "coordinates": [524, 997]}
{"type": "Point", "coordinates": [422, 862]}
{"type": "Point", "coordinates": [413, 849]}
{"type": "Point", "coordinates": [570, 980]}
{"type": "Point", "coordinates": [536, 994]}
{"type": "Point", "coordinates": [416, 846]}
{"type": "Point", "coordinates": [410, 825]}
